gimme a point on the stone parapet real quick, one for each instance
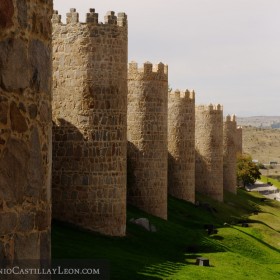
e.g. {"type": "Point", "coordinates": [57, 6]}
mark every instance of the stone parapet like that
{"type": "Point", "coordinates": [149, 71]}
{"type": "Point", "coordinates": [91, 18]}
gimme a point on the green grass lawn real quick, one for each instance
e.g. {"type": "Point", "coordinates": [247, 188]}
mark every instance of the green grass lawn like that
{"type": "Point", "coordinates": [266, 179]}
{"type": "Point", "coordinates": [235, 252]}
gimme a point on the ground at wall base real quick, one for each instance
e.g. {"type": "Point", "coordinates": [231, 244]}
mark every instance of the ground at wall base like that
{"type": "Point", "coordinates": [235, 252]}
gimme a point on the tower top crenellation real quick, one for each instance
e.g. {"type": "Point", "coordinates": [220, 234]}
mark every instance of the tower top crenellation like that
{"type": "Point", "coordinates": [210, 107]}
{"type": "Point", "coordinates": [148, 68]}
{"type": "Point", "coordinates": [91, 18]}
{"type": "Point", "coordinates": [187, 94]}
{"type": "Point", "coordinates": [230, 118]}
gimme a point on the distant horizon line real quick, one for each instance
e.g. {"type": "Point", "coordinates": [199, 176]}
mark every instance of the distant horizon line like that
{"type": "Point", "coordinates": [259, 116]}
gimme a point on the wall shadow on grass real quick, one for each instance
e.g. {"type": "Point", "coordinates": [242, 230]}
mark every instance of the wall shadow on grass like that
{"type": "Point", "coordinates": [155, 255]}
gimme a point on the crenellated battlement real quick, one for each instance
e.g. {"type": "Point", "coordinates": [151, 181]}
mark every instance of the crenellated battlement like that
{"type": "Point", "coordinates": [187, 94]}
{"type": "Point", "coordinates": [91, 18]}
{"type": "Point", "coordinates": [210, 107]}
{"type": "Point", "coordinates": [230, 118]}
{"type": "Point", "coordinates": [56, 18]}
{"type": "Point", "coordinates": [72, 17]}
{"type": "Point", "coordinates": [148, 69]}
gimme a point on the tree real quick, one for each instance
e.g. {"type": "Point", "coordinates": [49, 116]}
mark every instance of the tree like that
{"type": "Point", "coordinates": [247, 171]}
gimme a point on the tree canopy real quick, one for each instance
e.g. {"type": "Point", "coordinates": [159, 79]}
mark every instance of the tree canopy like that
{"type": "Point", "coordinates": [247, 171]}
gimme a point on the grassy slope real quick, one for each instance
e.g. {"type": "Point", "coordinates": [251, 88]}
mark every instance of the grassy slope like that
{"type": "Point", "coordinates": [235, 252]}
{"type": "Point", "coordinates": [266, 179]}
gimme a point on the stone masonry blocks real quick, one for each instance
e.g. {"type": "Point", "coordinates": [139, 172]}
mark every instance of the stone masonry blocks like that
{"type": "Point", "coordinates": [90, 121]}
{"type": "Point", "coordinates": [181, 145]}
{"type": "Point", "coordinates": [147, 136]}
{"type": "Point", "coordinates": [209, 151]}
{"type": "Point", "coordinates": [25, 129]}
{"type": "Point", "coordinates": [239, 148]}
{"type": "Point", "coordinates": [229, 163]}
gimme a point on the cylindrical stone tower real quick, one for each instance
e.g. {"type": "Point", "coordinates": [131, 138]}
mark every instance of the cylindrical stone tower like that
{"type": "Point", "coordinates": [230, 154]}
{"type": "Point", "coordinates": [209, 151]}
{"type": "Point", "coordinates": [25, 129]}
{"type": "Point", "coordinates": [147, 136]}
{"type": "Point", "coordinates": [239, 145]}
{"type": "Point", "coordinates": [90, 121]}
{"type": "Point", "coordinates": [181, 145]}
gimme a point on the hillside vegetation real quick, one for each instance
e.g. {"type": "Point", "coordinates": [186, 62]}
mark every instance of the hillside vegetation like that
{"type": "Point", "coordinates": [262, 144]}
{"type": "Point", "coordinates": [235, 252]}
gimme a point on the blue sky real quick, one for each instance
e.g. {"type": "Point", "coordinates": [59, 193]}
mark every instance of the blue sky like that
{"type": "Point", "coordinates": [228, 51]}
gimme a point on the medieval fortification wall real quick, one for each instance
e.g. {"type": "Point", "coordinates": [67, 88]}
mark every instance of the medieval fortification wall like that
{"type": "Point", "coordinates": [239, 147]}
{"type": "Point", "coordinates": [229, 172]}
{"type": "Point", "coordinates": [90, 120]}
{"type": "Point", "coordinates": [102, 115]}
{"type": "Point", "coordinates": [181, 145]}
{"type": "Point", "coordinates": [147, 136]}
{"type": "Point", "coordinates": [209, 151]}
{"type": "Point", "coordinates": [25, 129]}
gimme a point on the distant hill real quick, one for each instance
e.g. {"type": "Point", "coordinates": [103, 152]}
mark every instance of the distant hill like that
{"type": "Point", "coordinates": [260, 121]}
{"type": "Point", "coordinates": [262, 143]}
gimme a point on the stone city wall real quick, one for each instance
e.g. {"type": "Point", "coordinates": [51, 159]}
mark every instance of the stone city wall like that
{"type": "Point", "coordinates": [90, 121]}
{"type": "Point", "coordinates": [230, 164]}
{"type": "Point", "coordinates": [209, 151]}
{"type": "Point", "coordinates": [239, 145]}
{"type": "Point", "coordinates": [25, 129]}
{"type": "Point", "coordinates": [97, 106]}
{"type": "Point", "coordinates": [147, 136]}
{"type": "Point", "coordinates": [181, 145]}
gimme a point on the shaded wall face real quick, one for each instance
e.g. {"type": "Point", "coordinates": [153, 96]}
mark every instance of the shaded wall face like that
{"type": "Point", "coordinates": [209, 153]}
{"type": "Point", "coordinates": [239, 141]}
{"type": "Point", "coordinates": [25, 129]}
{"type": "Point", "coordinates": [147, 147]}
{"type": "Point", "coordinates": [230, 150]}
{"type": "Point", "coordinates": [90, 142]}
{"type": "Point", "coordinates": [181, 148]}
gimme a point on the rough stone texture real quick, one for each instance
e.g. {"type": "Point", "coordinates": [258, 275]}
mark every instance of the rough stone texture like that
{"type": "Point", "coordinates": [209, 151]}
{"type": "Point", "coordinates": [147, 136]}
{"type": "Point", "coordinates": [6, 13]}
{"type": "Point", "coordinates": [25, 139]}
{"type": "Point", "coordinates": [90, 121]}
{"type": "Point", "coordinates": [239, 145]}
{"type": "Point", "coordinates": [181, 145]}
{"type": "Point", "coordinates": [229, 163]}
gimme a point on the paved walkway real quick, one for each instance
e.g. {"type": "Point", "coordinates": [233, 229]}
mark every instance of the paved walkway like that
{"type": "Point", "coordinates": [269, 191]}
